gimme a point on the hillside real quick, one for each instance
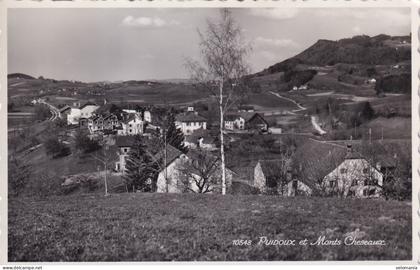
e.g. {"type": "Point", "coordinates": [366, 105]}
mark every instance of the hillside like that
{"type": "Point", "coordinates": [181, 227]}
{"type": "Point", "coordinates": [377, 50]}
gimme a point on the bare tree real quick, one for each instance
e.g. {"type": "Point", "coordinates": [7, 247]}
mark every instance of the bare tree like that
{"type": "Point", "coordinates": [222, 68]}
{"type": "Point", "coordinates": [201, 173]}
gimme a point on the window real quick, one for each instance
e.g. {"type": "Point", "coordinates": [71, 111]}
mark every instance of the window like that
{"type": "Point", "coordinates": [365, 170]}
{"type": "Point", "coordinates": [125, 150]}
{"type": "Point", "coordinates": [354, 182]}
{"type": "Point", "coordinates": [343, 170]}
{"type": "Point", "coordinates": [332, 183]}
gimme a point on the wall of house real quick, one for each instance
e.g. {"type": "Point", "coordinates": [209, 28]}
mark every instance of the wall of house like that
{"type": "Point", "coordinates": [259, 178]}
{"type": "Point", "coordinates": [350, 175]}
{"type": "Point", "coordinates": [73, 117]}
{"type": "Point", "coordinates": [189, 127]}
{"type": "Point", "coordinates": [174, 177]}
{"type": "Point", "coordinates": [302, 189]}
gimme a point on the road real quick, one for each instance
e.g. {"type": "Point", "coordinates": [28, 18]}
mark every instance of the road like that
{"type": "Point", "coordinates": [301, 108]}
{"type": "Point", "coordinates": [314, 119]}
{"type": "Point", "coordinates": [55, 113]}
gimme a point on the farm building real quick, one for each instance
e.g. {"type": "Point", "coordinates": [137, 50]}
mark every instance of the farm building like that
{"type": "Point", "coordinates": [337, 169]}
{"type": "Point", "coordinates": [190, 121]}
{"type": "Point", "coordinates": [245, 121]}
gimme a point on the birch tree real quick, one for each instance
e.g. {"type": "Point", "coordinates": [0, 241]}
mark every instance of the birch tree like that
{"type": "Point", "coordinates": [222, 68]}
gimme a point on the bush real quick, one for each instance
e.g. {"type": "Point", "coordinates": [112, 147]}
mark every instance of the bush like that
{"type": "Point", "coordinates": [42, 112]}
{"type": "Point", "coordinates": [55, 148]}
{"type": "Point", "coordinates": [84, 144]}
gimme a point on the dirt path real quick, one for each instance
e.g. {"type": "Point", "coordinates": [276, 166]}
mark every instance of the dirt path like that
{"type": "Point", "coordinates": [301, 108]}
{"type": "Point", "coordinates": [314, 119]}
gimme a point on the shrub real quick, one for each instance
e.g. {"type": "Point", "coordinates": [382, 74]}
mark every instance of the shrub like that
{"type": "Point", "coordinates": [55, 148]}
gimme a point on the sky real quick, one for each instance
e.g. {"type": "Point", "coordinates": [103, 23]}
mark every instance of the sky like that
{"type": "Point", "coordinates": [152, 43]}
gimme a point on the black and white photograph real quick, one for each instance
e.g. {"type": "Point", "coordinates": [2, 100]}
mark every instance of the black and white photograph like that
{"type": "Point", "coordinates": [209, 134]}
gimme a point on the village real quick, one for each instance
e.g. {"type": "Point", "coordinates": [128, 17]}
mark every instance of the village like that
{"type": "Point", "coordinates": [353, 168]}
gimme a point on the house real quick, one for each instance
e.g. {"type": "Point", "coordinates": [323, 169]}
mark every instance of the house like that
{"type": "Point", "coordinates": [87, 109]}
{"type": "Point", "coordinates": [354, 176]}
{"type": "Point", "coordinates": [190, 121]}
{"type": "Point", "coordinates": [64, 112]}
{"type": "Point", "coordinates": [245, 121]}
{"type": "Point", "coordinates": [275, 177]}
{"type": "Point", "coordinates": [234, 121]}
{"type": "Point", "coordinates": [132, 125]}
{"type": "Point", "coordinates": [82, 111]}
{"type": "Point", "coordinates": [124, 144]}
{"type": "Point", "coordinates": [200, 138]}
{"type": "Point", "coordinates": [331, 168]}
{"type": "Point", "coordinates": [173, 179]}
{"type": "Point", "coordinates": [103, 123]}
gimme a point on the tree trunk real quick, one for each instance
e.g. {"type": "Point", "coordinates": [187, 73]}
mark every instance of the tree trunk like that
{"type": "Point", "coordinates": [106, 183]}
{"type": "Point", "coordinates": [222, 148]}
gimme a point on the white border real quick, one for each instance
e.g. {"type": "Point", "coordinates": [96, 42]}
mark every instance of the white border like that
{"type": "Point", "coordinates": [5, 4]}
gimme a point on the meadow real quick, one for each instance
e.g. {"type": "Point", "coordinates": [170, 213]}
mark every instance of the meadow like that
{"type": "Point", "coordinates": [185, 227]}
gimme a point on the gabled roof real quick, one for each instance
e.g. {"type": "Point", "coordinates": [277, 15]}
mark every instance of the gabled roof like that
{"type": "Point", "coordinates": [250, 115]}
{"type": "Point", "coordinates": [108, 109]}
{"type": "Point", "coordinates": [275, 167]}
{"type": "Point", "coordinates": [190, 117]}
{"type": "Point", "coordinates": [172, 153]}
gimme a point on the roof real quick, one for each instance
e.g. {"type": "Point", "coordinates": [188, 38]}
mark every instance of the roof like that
{"type": "Point", "coordinates": [190, 117]}
{"type": "Point", "coordinates": [274, 167]}
{"type": "Point", "coordinates": [108, 108]}
{"type": "Point", "coordinates": [231, 116]}
{"type": "Point", "coordinates": [124, 141]}
{"type": "Point", "coordinates": [172, 153]}
{"type": "Point", "coordinates": [314, 160]}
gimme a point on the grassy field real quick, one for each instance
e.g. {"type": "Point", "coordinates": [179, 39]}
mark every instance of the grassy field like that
{"type": "Point", "coordinates": [181, 227]}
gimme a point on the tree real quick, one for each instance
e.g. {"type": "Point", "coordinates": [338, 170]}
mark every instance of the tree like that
{"type": "Point", "coordinates": [55, 148]}
{"type": "Point", "coordinates": [174, 135]}
{"type": "Point", "coordinates": [201, 173]}
{"type": "Point", "coordinates": [223, 53]}
{"type": "Point", "coordinates": [140, 172]}
{"type": "Point", "coordinates": [42, 112]}
{"type": "Point", "coordinates": [84, 144]}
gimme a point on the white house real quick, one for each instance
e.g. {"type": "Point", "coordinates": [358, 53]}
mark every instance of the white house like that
{"type": "Point", "coordinates": [190, 121]}
{"type": "Point", "coordinates": [275, 176]}
{"type": "Point", "coordinates": [84, 111]}
{"type": "Point", "coordinates": [172, 180]}
{"type": "Point", "coordinates": [124, 144]}
{"type": "Point", "coordinates": [132, 125]}
{"type": "Point", "coordinates": [337, 170]}
{"type": "Point", "coordinates": [234, 121]}
{"type": "Point", "coordinates": [355, 176]}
